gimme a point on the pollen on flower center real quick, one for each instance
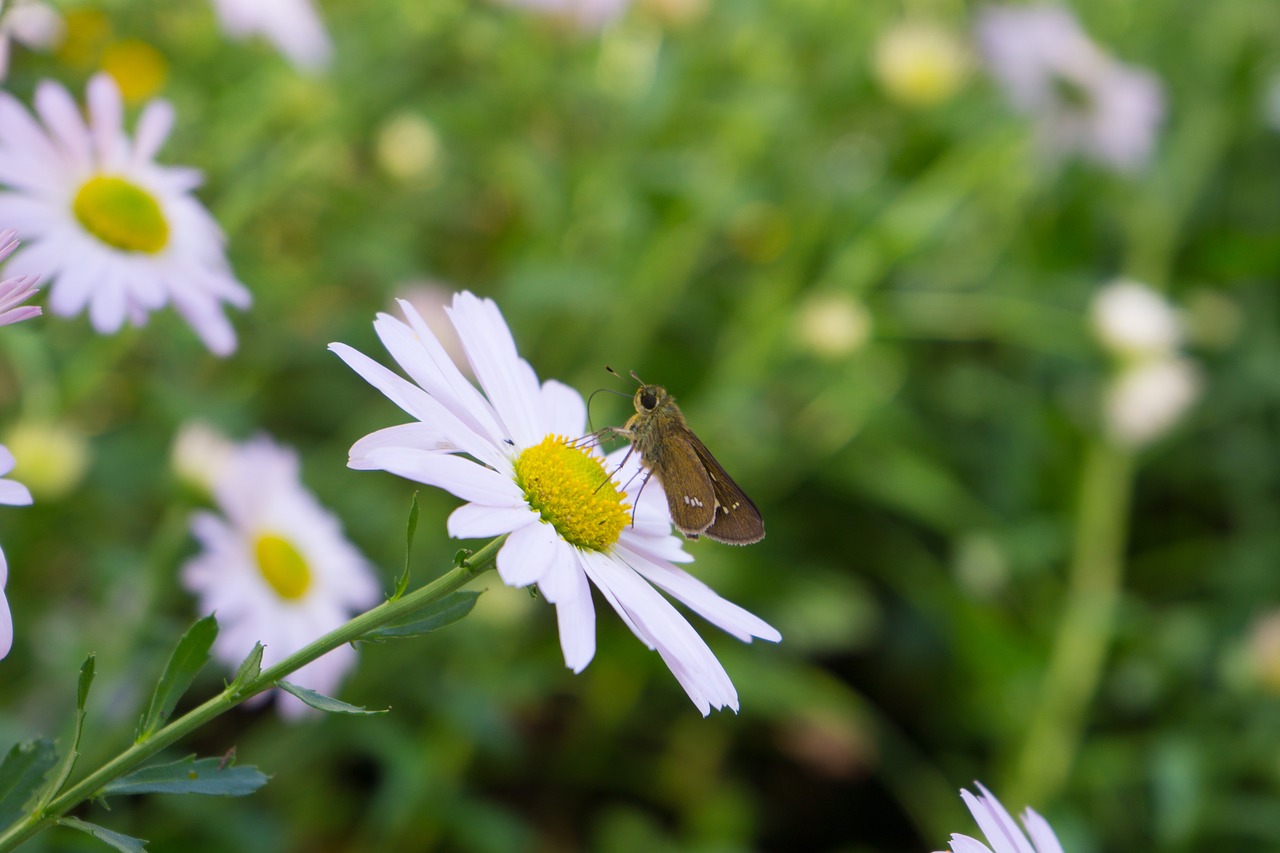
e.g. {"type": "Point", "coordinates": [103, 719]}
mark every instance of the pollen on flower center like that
{"type": "Point", "coordinates": [572, 491]}
{"type": "Point", "coordinates": [121, 214]}
{"type": "Point", "coordinates": [282, 566]}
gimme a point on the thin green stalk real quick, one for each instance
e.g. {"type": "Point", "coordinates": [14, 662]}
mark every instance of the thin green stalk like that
{"type": "Point", "coordinates": [1088, 622]}
{"type": "Point", "coordinates": [384, 614]}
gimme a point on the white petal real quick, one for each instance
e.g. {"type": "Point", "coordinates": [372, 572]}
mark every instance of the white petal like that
{"type": "Point", "coordinates": [1042, 834]}
{"type": "Point", "coordinates": [996, 823]}
{"type": "Point", "coordinates": [566, 413]}
{"type": "Point", "coordinates": [6, 460]}
{"type": "Point", "coordinates": [468, 480]}
{"type": "Point", "coordinates": [475, 521]}
{"type": "Point", "coordinates": [528, 553]}
{"type": "Point", "coordinates": [509, 382]}
{"type": "Point", "coordinates": [416, 436]}
{"type": "Point", "coordinates": [576, 619]}
{"type": "Point", "coordinates": [152, 130]}
{"type": "Point", "coordinates": [14, 493]}
{"type": "Point", "coordinates": [965, 844]}
{"type": "Point", "coordinates": [6, 625]}
{"type": "Point", "coordinates": [701, 599]}
{"type": "Point", "coordinates": [563, 577]}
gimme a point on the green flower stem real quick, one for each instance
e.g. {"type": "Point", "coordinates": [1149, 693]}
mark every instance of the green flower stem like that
{"type": "Point", "coordinates": [1088, 621]}
{"type": "Point", "coordinates": [384, 614]}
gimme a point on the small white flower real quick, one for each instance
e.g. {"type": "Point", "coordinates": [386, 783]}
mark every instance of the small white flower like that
{"type": "Point", "coordinates": [276, 569]}
{"type": "Point", "coordinates": [36, 25]}
{"type": "Point", "coordinates": [14, 494]}
{"type": "Point", "coordinates": [291, 25]}
{"type": "Point", "coordinates": [523, 475]}
{"type": "Point", "coordinates": [200, 454]}
{"type": "Point", "coordinates": [920, 63]}
{"type": "Point", "coordinates": [1001, 831]}
{"type": "Point", "coordinates": [1145, 399]}
{"type": "Point", "coordinates": [588, 14]}
{"type": "Point", "coordinates": [115, 232]}
{"type": "Point", "coordinates": [15, 291]}
{"type": "Point", "coordinates": [1082, 100]}
{"type": "Point", "coordinates": [1133, 321]}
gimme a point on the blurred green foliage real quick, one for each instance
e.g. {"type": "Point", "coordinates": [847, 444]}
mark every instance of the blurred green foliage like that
{"type": "Point", "coordinates": [685, 199]}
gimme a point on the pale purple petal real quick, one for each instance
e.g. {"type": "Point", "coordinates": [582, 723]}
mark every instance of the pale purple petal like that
{"type": "Point", "coordinates": [1042, 834]}
{"type": "Point", "coordinates": [999, 827]}
{"type": "Point", "coordinates": [965, 844]}
{"type": "Point", "coordinates": [13, 493]}
{"type": "Point", "coordinates": [474, 521]}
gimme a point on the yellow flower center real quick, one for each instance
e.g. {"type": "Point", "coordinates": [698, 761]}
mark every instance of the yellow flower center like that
{"type": "Point", "coordinates": [121, 214]}
{"type": "Point", "coordinates": [573, 492]}
{"type": "Point", "coordinates": [138, 68]}
{"type": "Point", "coordinates": [282, 566]}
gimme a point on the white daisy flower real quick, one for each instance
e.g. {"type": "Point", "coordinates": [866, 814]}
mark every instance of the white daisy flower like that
{"type": "Point", "coordinates": [510, 453]}
{"type": "Point", "coordinates": [1146, 399]}
{"type": "Point", "coordinates": [1002, 832]}
{"type": "Point", "coordinates": [115, 232]}
{"type": "Point", "coordinates": [12, 493]}
{"type": "Point", "coordinates": [15, 291]}
{"type": "Point", "coordinates": [276, 569]}
{"type": "Point", "coordinates": [1082, 100]}
{"type": "Point", "coordinates": [36, 25]}
{"type": "Point", "coordinates": [292, 26]}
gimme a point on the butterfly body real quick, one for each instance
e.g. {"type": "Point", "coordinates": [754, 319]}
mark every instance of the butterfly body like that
{"type": "Point", "coordinates": [703, 499]}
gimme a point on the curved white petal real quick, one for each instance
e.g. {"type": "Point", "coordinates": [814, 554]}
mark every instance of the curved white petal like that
{"type": "Point", "coordinates": [576, 620]}
{"type": "Point", "coordinates": [999, 827]}
{"type": "Point", "coordinates": [475, 521]}
{"type": "Point", "coordinates": [6, 626]}
{"type": "Point", "coordinates": [701, 599]}
{"type": "Point", "coordinates": [14, 493]}
{"type": "Point", "coordinates": [527, 554]}
{"type": "Point", "coordinates": [566, 413]}
{"type": "Point", "coordinates": [1042, 835]}
{"type": "Point", "coordinates": [462, 477]}
{"type": "Point", "coordinates": [415, 435]}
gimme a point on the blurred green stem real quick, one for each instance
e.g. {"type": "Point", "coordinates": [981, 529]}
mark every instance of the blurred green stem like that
{"type": "Point", "coordinates": [384, 614]}
{"type": "Point", "coordinates": [1088, 620]}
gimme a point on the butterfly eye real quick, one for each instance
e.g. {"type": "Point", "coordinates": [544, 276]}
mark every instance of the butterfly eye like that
{"type": "Point", "coordinates": [648, 399]}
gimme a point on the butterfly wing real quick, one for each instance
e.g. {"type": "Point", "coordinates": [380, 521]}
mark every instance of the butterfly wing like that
{"type": "Point", "coordinates": [737, 520]}
{"type": "Point", "coordinates": [690, 491]}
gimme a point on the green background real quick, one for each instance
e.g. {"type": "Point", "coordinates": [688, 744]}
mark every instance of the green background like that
{"type": "Point", "coordinates": [665, 197]}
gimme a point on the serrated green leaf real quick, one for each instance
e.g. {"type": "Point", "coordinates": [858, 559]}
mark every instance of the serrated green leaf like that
{"type": "Point", "coordinates": [59, 778]}
{"type": "Point", "coordinates": [426, 619]}
{"type": "Point", "coordinates": [188, 658]}
{"type": "Point", "coordinates": [210, 776]}
{"type": "Point", "coordinates": [21, 774]}
{"type": "Point", "coordinates": [125, 843]}
{"type": "Point", "coordinates": [250, 669]}
{"type": "Point", "coordinates": [325, 703]}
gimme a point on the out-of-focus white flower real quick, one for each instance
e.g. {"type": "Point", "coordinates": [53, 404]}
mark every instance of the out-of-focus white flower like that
{"type": "Point", "coordinates": [1146, 398]}
{"type": "Point", "coordinates": [919, 63]}
{"type": "Point", "coordinates": [1264, 651]}
{"type": "Point", "coordinates": [115, 232]}
{"type": "Point", "coordinates": [1001, 830]}
{"type": "Point", "coordinates": [1081, 99]}
{"type": "Point", "coordinates": [276, 569]}
{"type": "Point", "coordinates": [513, 455]}
{"type": "Point", "coordinates": [292, 26]}
{"type": "Point", "coordinates": [1133, 321]}
{"type": "Point", "coordinates": [588, 14]}
{"type": "Point", "coordinates": [831, 325]}
{"type": "Point", "coordinates": [15, 291]}
{"type": "Point", "coordinates": [201, 455]}
{"type": "Point", "coordinates": [53, 456]}
{"type": "Point", "coordinates": [34, 24]}
{"type": "Point", "coordinates": [12, 493]}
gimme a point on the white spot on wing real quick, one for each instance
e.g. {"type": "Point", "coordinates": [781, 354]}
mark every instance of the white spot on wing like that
{"type": "Point", "coordinates": [691, 501]}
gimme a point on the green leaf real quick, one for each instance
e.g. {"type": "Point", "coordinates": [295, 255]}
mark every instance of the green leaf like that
{"type": "Point", "coordinates": [426, 619]}
{"type": "Point", "coordinates": [402, 583]}
{"type": "Point", "coordinates": [324, 703]}
{"type": "Point", "coordinates": [212, 776]}
{"type": "Point", "coordinates": [21, 773]}
{"type": "Point", "coordinates": [126, 843]}
{"type": "Point", "coordinates": [250, 669]}
{"type": "Point", "coordinates": [190, 656]}
{"type": "Point", "coordinates": [59, 778]}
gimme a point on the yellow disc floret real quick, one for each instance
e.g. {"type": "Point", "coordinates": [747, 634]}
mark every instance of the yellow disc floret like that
{"type": "Point", "coordinates": [121, 214]}
{"type": "Point", "coordinates": [573, 492]}
{"type": "Point", "coordinates": [282, 566]}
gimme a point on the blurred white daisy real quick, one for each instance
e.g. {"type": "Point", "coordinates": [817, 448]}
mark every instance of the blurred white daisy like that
{"type": "Point", "coordinates": [588, 14]}
{"type": "Point", "coordinates": [1147, 398]}
{"type": "Point", "coordinates": [1082, 100]}
{"type": "Point", "coordinates": [292, 26]}
{"type": "Point", "coordinates": [15, 291]}
{"type": "Point", "coordinates": [33, 24]}
{"type": "Point", "coordinates": [1001, 831]}
{"type": "Point", "coordinates": [12, 493]}
{"type": "Point", "coordinates": [276, 569]}
{"type": "Point", "coordinates": [511, 454]}
{"type": "Point", "coordinates": [115, 232]}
